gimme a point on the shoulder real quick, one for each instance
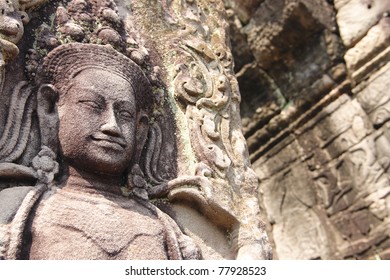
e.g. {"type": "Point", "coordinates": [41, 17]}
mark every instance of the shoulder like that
{"type": "Point", "coordinates": [18, 194]}
{"type": "Point", "coordinates": [11, 200]}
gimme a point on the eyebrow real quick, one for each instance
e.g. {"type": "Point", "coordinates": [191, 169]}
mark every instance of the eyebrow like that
{"type": "Point", "coordinates": [91, 92]}
{"type": "Point", "coordinates": [101, 98]}
{"type": "Point", "coordinates": [125, 104]}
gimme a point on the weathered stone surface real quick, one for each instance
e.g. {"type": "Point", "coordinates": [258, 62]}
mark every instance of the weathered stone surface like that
{"type": "Point", "coordinates": [356, 17]}
{"type": "Point", "coordinates": [315, 113]}
{"type": "Point", "coordinates": [316, 116]}
{"type": "Point", "coordinates": [278, 27]}
{"type": "Point", "coordinates": [244, 9]}
{"type": "Point", "coordinates": [289, 205]}
{"type": "Point", "coordinates": [330, 180]}
{"type": "Point", "coordinates": [376, 40]}
{"type": "Point", "coordinates": [289, 72]}
{"type": "Point", "coordinates": [373, 93]}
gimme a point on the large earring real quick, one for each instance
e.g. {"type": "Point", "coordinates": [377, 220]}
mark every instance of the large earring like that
{"type": "Point", "coordinates": [136, 183]}
{"type": "Point", "coordinates": [46, 166]}
{"type": "Point", "coordinates": [48, 116]}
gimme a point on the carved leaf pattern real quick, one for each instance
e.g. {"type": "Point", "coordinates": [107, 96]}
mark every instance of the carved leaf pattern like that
{"type": "Point", "coordinates": [207, 92]}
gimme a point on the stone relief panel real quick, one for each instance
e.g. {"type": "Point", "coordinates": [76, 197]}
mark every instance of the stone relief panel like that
{"type": "Point", "coordinates": [291, 208]}
{"type": "Point", "coordinates": [95, 125]}
{"type": "Point", "coordinates": [330, 177]}
{"type": "Point", "coordinates": [352, 187]}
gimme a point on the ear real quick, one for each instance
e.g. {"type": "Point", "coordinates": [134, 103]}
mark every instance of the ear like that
{"type": "Point", "coordinates": [141, 135]}
{"type": "Point", "coordinates": [48, 116]}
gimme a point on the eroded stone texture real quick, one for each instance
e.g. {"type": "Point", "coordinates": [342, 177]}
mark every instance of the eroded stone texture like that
{"type": "Point", "coordinates": [377, 40]}
{"type": "Point", "coordinates": [318, 137]}
{"type": "Point", "coordinates": [114, 105]}
{"type": "Point", "coordinates": [356, 17]}
{"type": "Point", "coordinates": [287, 40]}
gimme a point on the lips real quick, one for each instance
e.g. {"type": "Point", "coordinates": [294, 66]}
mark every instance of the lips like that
{"type": "Point", "coordinates": [109, 141]}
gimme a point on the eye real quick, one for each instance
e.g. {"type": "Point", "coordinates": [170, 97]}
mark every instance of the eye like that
{"type": "Point", "coordinates": [90, 104]}
{"type": "Point", "coordinates": [125, 114]}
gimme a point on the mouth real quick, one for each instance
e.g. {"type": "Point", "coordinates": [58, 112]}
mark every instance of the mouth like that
{"type": "Point", "coordinates": [110, 142]}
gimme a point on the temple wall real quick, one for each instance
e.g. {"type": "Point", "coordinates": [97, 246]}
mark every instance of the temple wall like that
{"type": "Point", "coordinates": [314, 79]}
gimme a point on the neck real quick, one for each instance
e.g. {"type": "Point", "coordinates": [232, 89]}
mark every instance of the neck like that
{"type": "Point", "coordinates": [93, 182]}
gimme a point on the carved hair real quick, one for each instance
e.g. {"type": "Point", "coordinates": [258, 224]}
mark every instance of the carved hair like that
{"type": "Point", "coordinates": [66, 61]}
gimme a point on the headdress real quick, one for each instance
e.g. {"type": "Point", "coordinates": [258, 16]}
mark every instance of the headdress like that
{"type": "Point", "coordinates": [63, 63]}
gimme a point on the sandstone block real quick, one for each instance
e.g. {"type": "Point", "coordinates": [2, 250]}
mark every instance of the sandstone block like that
{"type": "Point", "coordinates": [376, 40]}
{"type": "Point", "coordinates": [356, 17]}
{"type": "Point", "coordinates": [374, 92]}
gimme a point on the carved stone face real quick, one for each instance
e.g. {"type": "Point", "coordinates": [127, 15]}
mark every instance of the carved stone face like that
{"type": "Point", "coordinates": [97, 122]}
{"type": "Point", "coordinates": [11, 22]}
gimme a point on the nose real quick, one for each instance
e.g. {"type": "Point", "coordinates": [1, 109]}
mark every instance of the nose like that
{"type": "Point", "coordinates": [110, 125]}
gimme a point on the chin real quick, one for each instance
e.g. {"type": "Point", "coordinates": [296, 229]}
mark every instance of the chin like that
{"type": "Point", "coordinates": [111, 170]}
{"type": "Point", "coordinates": [111, 166]}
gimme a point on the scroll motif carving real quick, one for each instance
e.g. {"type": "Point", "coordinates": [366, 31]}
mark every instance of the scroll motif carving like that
{"type": "Point", "coordinates": [207, 92]}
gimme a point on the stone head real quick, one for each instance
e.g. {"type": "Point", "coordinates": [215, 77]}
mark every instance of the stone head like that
{"type": "Point", "coordinates": [101, 101]}
{"type": "Point", "coordinates": [11, 21]}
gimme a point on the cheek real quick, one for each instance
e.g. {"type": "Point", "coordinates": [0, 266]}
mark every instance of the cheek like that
{"type": "Point", "coordinates": [67, 123]}
{"type": "Point", "coordinates": [128, 131]}
{"type": "Point", "coordinates": [68, 135]}
{"type": "Point", "coordinates": [75, 120]}
{"type": "Point", "coordinates": [73, 128]}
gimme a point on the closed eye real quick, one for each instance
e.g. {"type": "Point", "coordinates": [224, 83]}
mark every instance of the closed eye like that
{"type": "Point", "coordinates": [91, 104]}
{"type": "Point", "coordinates": [125, 114]}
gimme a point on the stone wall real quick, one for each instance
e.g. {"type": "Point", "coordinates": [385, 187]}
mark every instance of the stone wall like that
{"type": "Point", "coordinates": [314, 78]}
